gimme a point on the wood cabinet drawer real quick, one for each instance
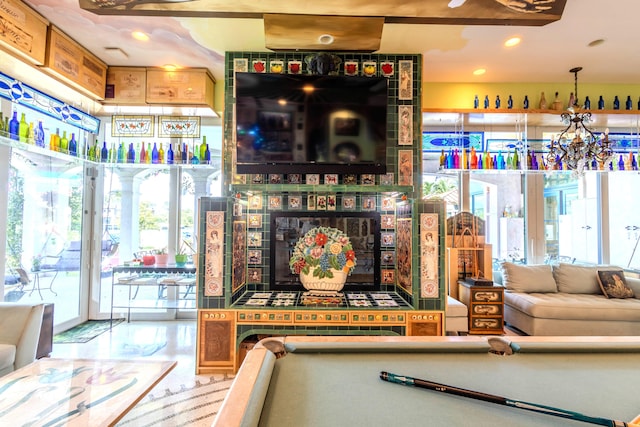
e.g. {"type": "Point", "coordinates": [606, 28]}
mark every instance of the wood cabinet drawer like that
{"type": "Point", "coordinates": [487, 309]}
{"type": "Point", "coordinates": [486, 323]}
{"type": "Point", "coordinates": [486, 295]}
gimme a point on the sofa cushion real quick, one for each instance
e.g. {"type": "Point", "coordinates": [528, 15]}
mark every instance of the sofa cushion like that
{"type": "Point", "coordinates": [613, 284]}
{"type": "Point", "coordinates": [577, 279]}
{"type": "Point", "coordinates": [7, 357]}
{"type": "Point", "coordinates": [574, 306]}
{"type": "Point", "coordinates": [527, 278]}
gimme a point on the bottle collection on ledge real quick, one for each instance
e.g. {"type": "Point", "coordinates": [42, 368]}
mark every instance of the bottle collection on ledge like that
{"type": "Point", "coordinates": [20, 130]}
{"type": "Point", "coordinates": [557, 104]}
{"type": "Point", "coordinates": [465, 159]}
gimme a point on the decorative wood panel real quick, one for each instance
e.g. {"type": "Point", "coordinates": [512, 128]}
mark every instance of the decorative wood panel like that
{"type": "Point", "coordinates": [126, 85]}
{"type": "Point", "coordinates": [22, 31]}
{"type": "Point", "coordinates": [74, 64]}
{"type": "Point", "coordinates": [216, 340]}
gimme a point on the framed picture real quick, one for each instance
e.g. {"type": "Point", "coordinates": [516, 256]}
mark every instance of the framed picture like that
{"type": "Point", "coordinates": [275, 178]}
{"type": "Point", "coordinates": [254, 239]}
{"type": "Point", "coordinates": [238, 255]}
{"type": "Point", "coordinates": [331, 202]}
{"type": "Point", "coordinates": [331, 178]}
{"type": "Point", "coordinates": [255, 201]}
{"type": "Point", "coordinates": [179, 127]}
{"type": "Point", "coordinates": [254, 275]}
{"type": "Point", "coordinates": [368, 203]}
{"type": "Point", "coordinates": [348, 202]}
{"type": "Point", "coordinates": [237, 209]}
{"type": "Point", "coordinates": [312, 179]}
{"type": "Point", "coordinates": [295, 202]}
{"type": "Point", "coordinates": [405, 86]}
{"type": "Point", "coordinates": [321, 202]}
{"type": "Point", "coordinates": [275, 202]}
{"type": "Point", "coordinates": [368, 179]}
{"type": "Point", "coordinates": [387, 221]}
{"type": "Point", "coordinates": [388, 276]}
{"type": "Point", "coordinates": [405, 125]}
{"type": "Point", "coordinates": [350, 179]}
{"type": "Point", "coordinates": [257, 178]}
{"type": "Point", "coordinates": [255, 220]}
{"type": "Point", "coordinates": [132, 126]}
{"type": "Point", "coordinates": [405, 167]}
{"type": "Point", "coordinates": [403, 253]}
{"type": "Point", "coordinates": [388, 203]}
{"type": "Point", "coordinates": [294, 178]}
{"type": "Point", "coordinates": [255, 256]}
{"type": "Point", "coordinates": [387, 239]}
{"type": "Point", "coordinates": [386, 179]}
{"type": "Point", "coordinates": [311, 202]}
{"type": "Point", "coordinates": [387, 257]}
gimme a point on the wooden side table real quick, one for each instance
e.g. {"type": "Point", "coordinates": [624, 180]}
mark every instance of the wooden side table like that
{"type": "Point", "coordinates": [486, 308]}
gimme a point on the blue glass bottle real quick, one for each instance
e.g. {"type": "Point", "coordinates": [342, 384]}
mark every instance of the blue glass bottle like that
{"type": "Point", "coordinates": [587, 103]}
{"type": "Point", "coordinates": [616, 103]}
{"type": "Point", "coordinates": [600, 103]}
{"type": "Point", "coordinates": [39, 134]}
{"type": "Point", "coordinates": [104, 153]}
{"type": "Point", "coordinates": [154, 154]}
{"type": "Point", "coordinates": [207, 155]}
{"type": "Point", "coordinates": [497, 101]}
{"type": "Point", "coordinates": [185, 155]}
{"type": "Point", "coordinates": [14, 127]}
{"type": "Point", "coordinates": [170, 155]}
{"type": "Point", "coordinates": [476, 102]}
{"type": "Point", "coordinates": [510, 102]}
{"type": "Point", "coordinates": [486, 101]}
{"type": "Point", "coordinates": [525, 104]}
{"type": "Point", "coordinates": [628, 103]}
{"type": "Point", "coordinates": [73, 145]}
{"type": "Point", "coordinates": [131, 154]}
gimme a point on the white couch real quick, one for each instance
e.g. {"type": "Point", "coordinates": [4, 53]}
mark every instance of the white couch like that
{"type": "Point", "coordinates": [566, 299]}
{"type": "Point", "coordinates": [456, 317]}
{"type": "Point", "coordinates": [19, 334]}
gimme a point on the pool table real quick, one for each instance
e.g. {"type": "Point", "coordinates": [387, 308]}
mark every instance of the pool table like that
{"type": "Point", "coordinates": [335, 381]}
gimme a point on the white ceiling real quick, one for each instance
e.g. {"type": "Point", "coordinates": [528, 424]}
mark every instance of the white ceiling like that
{"type": "Point", "coordinates": [451, 53]}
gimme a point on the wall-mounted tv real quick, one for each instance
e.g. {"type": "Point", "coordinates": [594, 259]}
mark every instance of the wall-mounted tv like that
{"type": "Point", "coordinates": [298, 123]}
{"type": "Point", "coordinates": [363, 229]}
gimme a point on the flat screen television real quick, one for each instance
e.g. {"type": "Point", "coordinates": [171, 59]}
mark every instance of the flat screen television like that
{"type": "Point", "coordinates": [298, 123]}
{"type": "Point", "coordinates": [363, 229]}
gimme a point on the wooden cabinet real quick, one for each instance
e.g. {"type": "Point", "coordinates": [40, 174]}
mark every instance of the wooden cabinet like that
{"type": "Point", "coordinates": [467, 262]}
{"type": "Point", "coordinates": [486, 308]}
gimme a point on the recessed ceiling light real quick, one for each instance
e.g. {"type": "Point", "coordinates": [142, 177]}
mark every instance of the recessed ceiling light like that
{"type": "Point", "coordinates": [513, 41]}
{"type": "Point", "coordinates": [325, 39]}
{"type": "Point", "coordinates": [596, 42]}
{"type": "Point", "coordinates": [479, 71]}
{"type": "Point", "coordinates": [140, 35]}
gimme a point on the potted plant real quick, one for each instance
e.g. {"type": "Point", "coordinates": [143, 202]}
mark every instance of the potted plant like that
{"type": "Point", "coordinates": [162, 257]}
{"type": "Point", "coordinates": [36, 262]}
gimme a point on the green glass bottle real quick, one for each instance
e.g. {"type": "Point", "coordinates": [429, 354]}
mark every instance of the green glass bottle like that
{"type": "Point", "coordinates": [1, 124]}
{"type": "Point", "coordinates": [23, 129]}
{"type": "Point", "coordinates": [203, 148]}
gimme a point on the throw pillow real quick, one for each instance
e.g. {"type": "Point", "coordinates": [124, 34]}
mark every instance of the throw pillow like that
{"type": "Point", "coordinates": [577, 279]}
{"type": "Point", "coordinates": [528, 278]}
{"type": "Point", "coordinates": [613, 284]}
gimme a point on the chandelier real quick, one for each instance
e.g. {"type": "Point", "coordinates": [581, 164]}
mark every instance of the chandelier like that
{"type": "Point", "coordinates": [577, 146]}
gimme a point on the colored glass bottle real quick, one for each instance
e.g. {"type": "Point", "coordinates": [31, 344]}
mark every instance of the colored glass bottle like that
{"type": "Point", "coordinates": [600, 103]}
{"type": "Point", "coordinates": [131, 154]}
{"type": "Point", "coordinates": [30, 134]}
{"type": "Point", "coordinates": [2, 129]}
{"type": "Point", "coordinates": [207, 155]}
{"type": "Point", "coordinates": [587, 103]}
{"type": "Point", "coordinates": [14, 127]}
{"type": "Point", "coordinates": [616, 103]}
{"type": "Point", "coordinates": [628, 103]}
{"type": "Point", "coordinates": [73, 145]}
{"type": "Point", "coordinates": [148, 154]}
{"type": "Point", "coordinates": [203, 149]}
{"type": "Point", "coordinates": [497, 101]}
{"type": "Point", "coordinates": [185, 153]}
{"type": "Point", "coordinates": [161, 154]}
{"type": "Point", "coordinates": [177, 155]}
{"type": "Point", "coordinates": [154, 154]}
{"type": "Point", "coordinates": [525, 103]}
{"type": "Point", "coordinates": [510, 102]}
{"type": "Point", "coordinates": [476, 102]}
{"type": "Point", "coordinates": [170, 155]}
{"type": "Point", "coordinates": [486, 101]}
{"type": "Point", "coordinates": [23, 128]}
{"type": "Point", "coordinates": [104, 153]}
{"type": "Point", "coordinates": [39, 134]}
{"type": "Point", "coordinates": [64, 142]}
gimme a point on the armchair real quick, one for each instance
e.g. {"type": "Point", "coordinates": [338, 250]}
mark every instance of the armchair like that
{"type": "Point", "coordinates": [19, 334]}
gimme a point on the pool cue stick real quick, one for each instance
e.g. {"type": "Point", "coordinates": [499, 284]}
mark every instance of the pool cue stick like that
{"type": "Point", "coordinates": [549, 410]}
